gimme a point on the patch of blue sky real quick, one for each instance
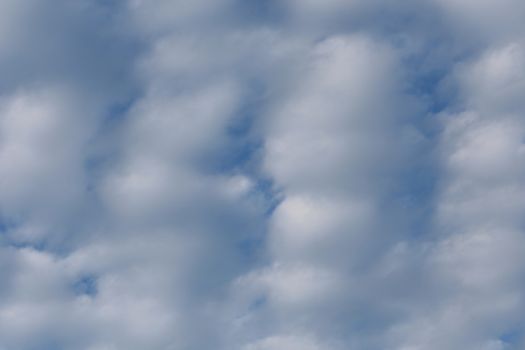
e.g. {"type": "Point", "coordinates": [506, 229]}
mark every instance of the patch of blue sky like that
{"type": "Point", "coordinates": [86, 285]}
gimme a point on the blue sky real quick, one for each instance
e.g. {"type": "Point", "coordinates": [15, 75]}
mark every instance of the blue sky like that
{"type": "Point", "coordinates": [262, 175]}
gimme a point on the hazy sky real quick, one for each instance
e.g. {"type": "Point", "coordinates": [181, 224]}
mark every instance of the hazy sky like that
{"type": "Point", "coordinates": [262, 175]}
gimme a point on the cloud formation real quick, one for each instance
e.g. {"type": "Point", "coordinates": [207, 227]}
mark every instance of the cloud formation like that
{"type": "Point", "coordinates": [277, 175]}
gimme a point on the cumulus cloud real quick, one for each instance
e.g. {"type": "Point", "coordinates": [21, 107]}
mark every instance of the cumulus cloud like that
{"type": "Point", "coordinates": [278, 175]}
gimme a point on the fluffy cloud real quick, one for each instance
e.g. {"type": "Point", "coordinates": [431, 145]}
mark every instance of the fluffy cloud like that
{"type": "Point", "coordinates": [479, 210]}
{"type": "Point", "coordinates": [314, 175]}
{"type": "Point", "coordinates": [329, 146]}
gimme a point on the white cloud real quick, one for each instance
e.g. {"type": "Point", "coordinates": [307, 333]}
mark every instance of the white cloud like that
{"type": "Point", "coordinates": [285, 342]}
{"type": "Point", "coordinates": [313, 175]}
{"type": "Point", "coordinates": [477, 260]}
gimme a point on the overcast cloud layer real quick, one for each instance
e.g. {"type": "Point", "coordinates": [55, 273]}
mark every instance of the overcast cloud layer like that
{"type": "Point", "coordinates": [262, 175]}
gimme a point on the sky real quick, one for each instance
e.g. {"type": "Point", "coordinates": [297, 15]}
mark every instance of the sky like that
{"type": "Point", "coordinates": [262, 175]}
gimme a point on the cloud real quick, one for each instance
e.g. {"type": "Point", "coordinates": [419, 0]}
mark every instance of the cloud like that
{"type": "Point", "coordinates": [287, 342]}
{"type": "Point", "coordinates": [314, 175]}
{"type": "Point", "coordinates": [478, 212]}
